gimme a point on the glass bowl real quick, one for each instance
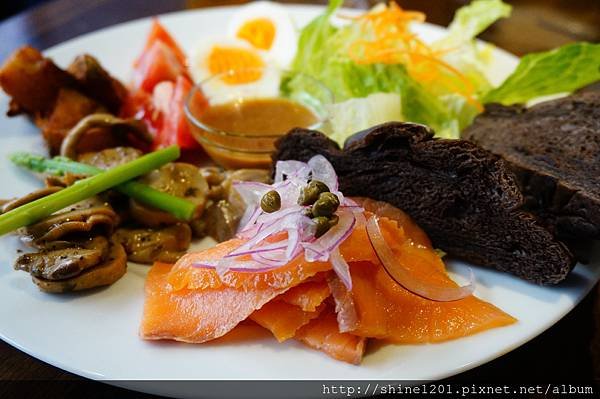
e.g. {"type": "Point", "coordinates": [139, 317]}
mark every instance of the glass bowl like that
{"type": "Point", "coordinates": [234, 148]}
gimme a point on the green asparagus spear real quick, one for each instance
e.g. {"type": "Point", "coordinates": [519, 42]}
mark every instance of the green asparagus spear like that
{"type": "Point", "coordinates": [43, 207]}
{"type": "Point", "coordinates": [179, 207]}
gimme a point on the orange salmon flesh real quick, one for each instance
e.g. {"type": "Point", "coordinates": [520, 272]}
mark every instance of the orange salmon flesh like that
{"type": "Point", "coordinates": [195, 305]}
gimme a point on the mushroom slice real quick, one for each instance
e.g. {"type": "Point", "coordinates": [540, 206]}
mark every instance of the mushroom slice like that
{"type": "Point", "coordinates": [60, 264]}
{"type": "Point", "coordinates": [120, 126]}
{"type": "Point", "coordinates": [215, 177]}
{"type": "Point", "coordinates": [15, 203]}
{"type": "Point", "coordinates": [221, 218]}
{"type": "Point", "coordinates": [110, 157]}
{"type": "Point", "coordinates": [148, 245]}
{"type": "Point", "coordinates": [180, 179]}
{"type": "Point", "coordinates": [106, 273]}
{"type": "Point", "coordinates": [66, 180]}
{"type": "Point", "coordinates": [220, 221]}
{"type": "Point", "coordinates": [83, 217]}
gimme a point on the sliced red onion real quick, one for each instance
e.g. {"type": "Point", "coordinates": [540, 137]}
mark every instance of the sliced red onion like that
{"type": "Point", "coordinates": [332, 238]}
{"type": "Point", "coordinates": [344, 305]}
{"type": "Point", "coordinates": [290, 168]}
{"type": "Point", "coordinates": [274, 257]}
{"type": "Point", "coordinates": [269, 261]}
{"type": "Point", "coordinates": [259, 228]}
{"type": "Point", "coordinates": [249, 218]}
{"type": "Point", "coordinates": [244, 266]}
{"type": "Point", "coordinates": [361, 221]}
{"type": "Point", "coordinates": [308, 229]}
{"type": "Point", "coordinates": [293, 242]}
{"type": "Point", "coordinates": [287, 222]}
{"type": "Point", "coordinates": [240, 266]}
{"type": "Point", "coordinates": [268, 218]}
{"type": "Point", "coordinates": [262, 249]}
{"type": "Point", "coordinates": [349, 202]}
{"type": "Point", "coordinates": [341, 268]}
{"type": "Point", "coordinates": [399, 274]}
{"type": "Point", "coordinates": [289, 191]}
{"type": "Point", "coordinates": [250, 191]}
{"type": "Point", "coordinates": [323, 171]}
{"type": "Point", "coordinates": [352, 207]}
{"type": "Point", "coordinates": [258, 238]}
{"type": "Point", "coordinates": [317, 254]}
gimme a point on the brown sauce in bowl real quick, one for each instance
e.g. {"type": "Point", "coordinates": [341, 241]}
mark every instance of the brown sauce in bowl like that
{"type": "Point", "coordinates": [258, 117]}
{"type": "Point", "coordinates": [241, 134]}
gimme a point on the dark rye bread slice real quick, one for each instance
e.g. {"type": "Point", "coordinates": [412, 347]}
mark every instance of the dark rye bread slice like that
{"type": "Point", "coordinates": [554, 150]}
{"type": "Point", "coordinates": [464, 197]}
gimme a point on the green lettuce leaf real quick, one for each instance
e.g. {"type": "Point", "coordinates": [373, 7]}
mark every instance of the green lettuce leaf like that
{"type": "Point", "coordinates": [323, 52]}
{"type": "Point", "coordinates": [468, 56]}
{"type": "Point", "coordinates": [561, 70]}
{"type": "Point", "coordinates": [357, 114]}
{"type": "Point", "coordinates": [313, 39]}
{"type": "Point", "coordinates": [470, 20]}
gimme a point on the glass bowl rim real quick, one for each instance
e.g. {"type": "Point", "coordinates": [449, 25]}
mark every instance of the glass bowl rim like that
{"type": "Point", "coordinates": [210, 129]}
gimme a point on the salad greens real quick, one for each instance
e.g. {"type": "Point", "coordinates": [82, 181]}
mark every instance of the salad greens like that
{"type": "Point", "coordinates": [360, 113]}
{"type": "Point", "coordinates": [564, 69]}
{"type": "Point", "coordinates": [470, 20]}
{"type": "Point", "coordinates": [441, 84]}
{"type": "Point", "coordinates": [324, 51]}
{"type": "Point", "coordinates": [470, 57]}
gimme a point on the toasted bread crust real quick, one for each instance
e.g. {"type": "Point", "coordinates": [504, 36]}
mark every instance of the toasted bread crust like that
{"type": "Point", "coordinates": [464, 197]}
{"type": "Point", "coordinates": [554, 150]}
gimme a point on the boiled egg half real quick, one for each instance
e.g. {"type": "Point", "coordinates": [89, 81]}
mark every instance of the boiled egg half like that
{"type": "Point", "coordinates": [267, 27]}
{"type": "Point", "coordinates": [229, 69]}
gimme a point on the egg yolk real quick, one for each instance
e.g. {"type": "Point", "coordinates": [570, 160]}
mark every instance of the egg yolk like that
{"type": "Point", "coordinates": [259, 32]}
{"type": "Point", "coordinates": [241, 65]}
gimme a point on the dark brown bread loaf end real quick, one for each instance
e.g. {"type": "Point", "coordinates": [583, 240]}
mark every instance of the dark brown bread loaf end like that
{"type": "Point", "coordinates": [554, 150]}
{"type": "Point", "coordinates": [461, 195]}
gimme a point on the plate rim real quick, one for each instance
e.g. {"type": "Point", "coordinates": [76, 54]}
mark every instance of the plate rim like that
{"type": "Point", "coordinates": [95, 376]}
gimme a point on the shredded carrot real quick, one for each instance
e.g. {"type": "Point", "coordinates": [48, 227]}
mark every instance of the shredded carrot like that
{"type": "Point", "coordinates": [386, 39]}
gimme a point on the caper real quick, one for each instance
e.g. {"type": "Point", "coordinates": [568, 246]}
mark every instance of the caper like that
{"type": "Point", "coordinates": [310, 193]}
{"type": "Point", "coordinates": [323, 226]}
{"type": "Point", "coordinates": [326, 205]}
{"type": "Point", "coordinates": [308, 213]}
{"type": "Point", "coordinates": [271, 201]}
{"type": "Point", "coordinates": [333, 220]}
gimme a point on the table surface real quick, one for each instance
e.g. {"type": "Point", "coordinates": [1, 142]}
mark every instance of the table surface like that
{"type": "Point", "coordinates": [567, 352]}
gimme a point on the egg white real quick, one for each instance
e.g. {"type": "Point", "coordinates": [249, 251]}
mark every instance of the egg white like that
{"type": "Point", "coordinates": [285, 42]}
{"type": "Point", "coordinates": [219, 91]}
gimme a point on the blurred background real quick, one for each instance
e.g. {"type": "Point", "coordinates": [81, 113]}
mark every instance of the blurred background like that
{"type": "Point", "coordinates": [534, 25]}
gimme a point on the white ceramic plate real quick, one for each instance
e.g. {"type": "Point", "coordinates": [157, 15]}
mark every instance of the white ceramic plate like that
{"type": "Point", "coordinates": [95, 334]}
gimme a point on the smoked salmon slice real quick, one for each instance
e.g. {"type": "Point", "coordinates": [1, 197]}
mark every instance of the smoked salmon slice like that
{"type": "Point", "coordinates": [186, 274]}
{"type": "Point", "coordinates": [198, 315]}
{"type": "Point", "coordinates": [323, 334]}
{"type": "Point", "coordinates": [195, 304]}
{"type": "Point", "coordinates": [386, 310]}
{"type": "Point", "coordinates": [245, 332]}
{"type": "Point", "coordinates": [283, 319]}
{"type": "Point", "coordinates": [308, 295]}
{"type": "Point", "coordinates": [189, 303]}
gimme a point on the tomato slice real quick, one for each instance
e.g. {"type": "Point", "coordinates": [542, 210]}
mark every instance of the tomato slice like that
{"type": "Point", "coordinates": [155, 65]}
{"type": "Point", "coordinates": [139, 105]}
{"type": "Point", "coordinates": [175, 128]}
{"type": "Point", "coordinates": [159, 33]}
